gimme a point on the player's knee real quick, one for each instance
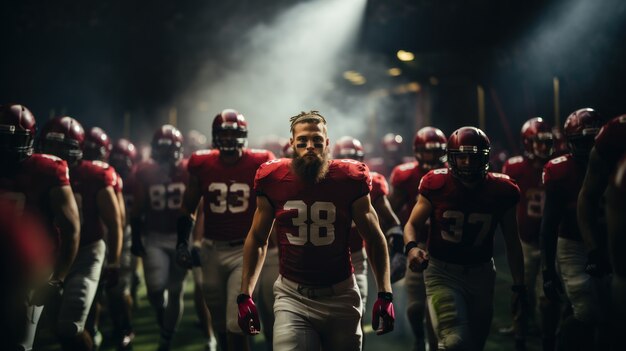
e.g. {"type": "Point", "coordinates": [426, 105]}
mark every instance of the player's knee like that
{"type": "Point", "coordinates": [156, 298]}
{"type": "Point", "coordinates": [454, 342]}
{"type": "Point", "coordinates": [415, 310]}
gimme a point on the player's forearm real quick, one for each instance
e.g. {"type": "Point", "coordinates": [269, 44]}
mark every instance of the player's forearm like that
{"type": "Point", "coordinates": [67, 252]}
{"type": "Point", "coordinates": [378, 256]}
{"type": "Point", "coordinates": [253, 258]}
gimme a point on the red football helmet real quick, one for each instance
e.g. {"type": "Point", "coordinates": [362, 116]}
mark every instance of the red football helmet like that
{"type": "Point", "coordinates": [123, 156]}
{"type": "Point", "coordinates": [581, 128]}
{"type": "Point", "coordinates": [17, 133]}
{"type": "Point", "coordinates": [63, 137]}
{"type": "Point", "coordinates": [537, 138]}
{"type": "Point", "coordinates": [429, 146]}
{"type": "Point", "coordinates": [474, 144]}
{"type": "Point", "coordinates": [392, 143]}
{"type": "Point", "coordinates": [97, 145]}
{"type": "Point", "coordinates": [348, 147]}
{"type": "Point", "coordinates": [167, 144]}
{"type": "Point", "coordinates": [230, 131]}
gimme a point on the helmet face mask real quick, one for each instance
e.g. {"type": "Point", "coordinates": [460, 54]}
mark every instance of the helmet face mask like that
{"type": "Point", "coordinates": [580, 129]}
{"type": "Point", "coordinates": [63, 137]}
{"type": "Point", "coordinates": [17, 134]}
{"type": "Point", "coordinates": [230, 132]}
{"type": "Point", "coordinates": [167, 145]}
{"type": "Point", "coordinates": [429, 146]}
{"type": "Point", "coordinates": [537, 139]}
{"type": "Point", "coordinates": [468, 154]}
{"type": "Point", "coordinates": [97, 145]}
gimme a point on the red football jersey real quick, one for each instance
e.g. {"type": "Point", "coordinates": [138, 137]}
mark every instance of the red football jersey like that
{"type": "Point", "coordinates": [164, 188]}
{"type": "Point", "coordinates": [313, 221]}
{"type": "Point", "coordinates": [463, 220]}
{"type": "Point", "coordinates": [565, 177]}
{"type": "Point", "coordinates": [87, 179]}
{"type": "Point", "coordinates": [611, 140]}
{"type": "Point", "coordinates": [29, 187]}
{"type": "Point", "coordinates": [128, 190]}
{"type": "Point", "coordinates": [379, 189]}
{"type": "Point", "coordinates": [406, 178]}
{"type": "Point", "coordinates": [229, 203]}
{"type": "Point", "coordinates": [530, 207]}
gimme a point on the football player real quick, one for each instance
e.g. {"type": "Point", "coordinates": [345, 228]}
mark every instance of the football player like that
{"type": "Point", "coordinates": [609, 148]}
{"type": "Point", "coordinates": [537, 140]}
{"type": "Point", "coordinates": [93, 183]}
{"type": "Point", "coordinates": [392, 155]}
{"type": "Point", "coordinates": [224, 178]}
{"type": "Point", "coordinates": [465, 203]}
{"type": "Point", "coordinates": [39, 184]}
{"type": "Point", "coordinates": [350, 148]}
{"type": "Point", "coordinates": [429, 147]}
{"type": "Point", "coordinates": [159, 188]}
{"type": "Point", "coordinates": [98, 147]}
{"type": "Point", "coordinates": [561, 241]}
{"type": "Point", "coordinates": [312, 201]}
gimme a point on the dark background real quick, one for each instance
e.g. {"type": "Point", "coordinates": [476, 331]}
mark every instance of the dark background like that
{"type": "Point", "coordinates": [97, 60]}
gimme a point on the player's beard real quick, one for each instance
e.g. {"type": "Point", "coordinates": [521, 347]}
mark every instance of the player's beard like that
{"type": "Point", "coordinates": [310, 169]}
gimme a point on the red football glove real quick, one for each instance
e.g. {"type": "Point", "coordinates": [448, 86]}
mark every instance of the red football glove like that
{"type": "Point", "coordinates": [383, 316]}
{"type": "Point", "coordinates": [248, 317]}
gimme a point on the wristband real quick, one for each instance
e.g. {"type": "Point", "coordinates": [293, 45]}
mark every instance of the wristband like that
{"type": "Point", "coordinates": [384, 295]}
{"type": "Point", "coordinates": [242, 297]}
{"type": "Point", "coordinates": [184, 224]}
{"type": "Point", "coordinates": [409, 246]}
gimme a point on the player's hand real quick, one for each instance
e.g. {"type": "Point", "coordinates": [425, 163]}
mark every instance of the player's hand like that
{"type": "Point", "coordinates": [551, 285]}
{"type": "Point", "coordinates": [247, 315]}
{"type": "Point", "coordinates": [597, 264]}
{"type": "Point", "coordinates": [49, 293]}
{"type": "Point", "coordinates": [383, 315]}
{"type": "Point", "coordinates": [111, 275]}
{"type": "Point", "coordinates": [183, 256]}
{"type": "Point", "coordinates": [137, 248]}
{"type": "Point", "coordinates": [418, 259]}
{"type": "Point", "coordinates": [519, 310]}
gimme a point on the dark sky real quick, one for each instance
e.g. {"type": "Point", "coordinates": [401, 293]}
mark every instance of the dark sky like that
{"type": "Point", "coordinates": [98, 60]}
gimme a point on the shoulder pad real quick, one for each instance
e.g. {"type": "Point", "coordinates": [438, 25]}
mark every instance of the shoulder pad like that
{"type": "Point", "coordinates": [51, 165]}
{"type": "Point", "coordinates": [271, 166]}
{"type": "Point", "coordinates": [198, 158]}
{"type": "Point", "coordinates": [401, 172]}
{"type": "Point", "coordinates": [353, 169]}
{"type": "Point", "coordinates": [100, 164]}
{"type": "Point", "coordinates": [379, 185]}
{"type": "Point", "coordinates": [555, 169]}
{"type": "Point", "coordinates": [261, 154]}
{"type": "Point", "coordinates": [500, 175]}
{"type": "Point", "coordinates": [434, 179]}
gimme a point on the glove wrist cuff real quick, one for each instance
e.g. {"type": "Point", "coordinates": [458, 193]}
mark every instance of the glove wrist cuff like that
{"type": "Point", "coordinates": [385, 295]}
{"type": "Point", "coordinates": [242, 298]}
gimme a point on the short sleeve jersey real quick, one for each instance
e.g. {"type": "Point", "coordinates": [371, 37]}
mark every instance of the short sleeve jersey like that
{"type": "Point", "coordinates": [405, 178]}
{"type": "Point", "coordinates": [563, 177]}
{"type": "Point", "coordinates": [29, 187]}
{"type": "Point", "coordinates": [313, 221]}
{"type": "Point", "coordinates": [87, 179]}
{"type": "Point", "coordinates": [229, 201]}
{"type": "Point", "coordinates": [530, 207]}
{"type": "Point", "coordinates": [463, 220]}
{"type": "Point", "coordinates": [164, 186]}
{"type": "Point", "coordinates": [610, 142]}
{"type": "Point", "coordinates": [379, 189]}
